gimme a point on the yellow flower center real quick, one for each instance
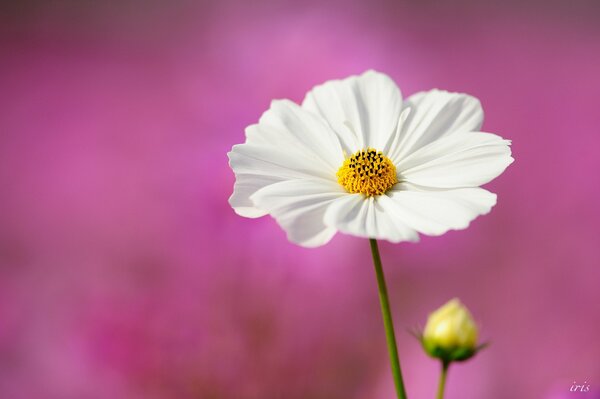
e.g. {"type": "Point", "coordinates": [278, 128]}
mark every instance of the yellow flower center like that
{"type": "Point", "coordinates": [368, 172]}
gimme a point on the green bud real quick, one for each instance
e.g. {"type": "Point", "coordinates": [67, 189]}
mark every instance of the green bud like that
{"type": "Point", "coordinates": [451, 333]}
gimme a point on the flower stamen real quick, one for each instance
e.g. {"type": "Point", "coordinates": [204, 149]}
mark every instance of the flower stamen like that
{"type": "Point", "coordinates": [368, 172]}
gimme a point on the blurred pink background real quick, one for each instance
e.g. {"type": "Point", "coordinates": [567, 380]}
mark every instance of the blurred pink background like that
{"type": "Point", "coordinates": [124, 273]}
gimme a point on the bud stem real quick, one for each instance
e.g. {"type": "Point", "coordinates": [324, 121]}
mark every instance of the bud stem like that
{"type": "Point", "coordinates": [387, 321]}
{"type": "Point", "coordinates": [440, 393]}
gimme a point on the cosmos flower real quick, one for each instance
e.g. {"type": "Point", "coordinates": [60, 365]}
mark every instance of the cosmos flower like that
{"type": "Point", "coordinates": [356, 158]}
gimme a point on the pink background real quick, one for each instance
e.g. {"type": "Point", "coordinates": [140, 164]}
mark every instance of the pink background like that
{"type": "Point", "coordinates": [125, 274]}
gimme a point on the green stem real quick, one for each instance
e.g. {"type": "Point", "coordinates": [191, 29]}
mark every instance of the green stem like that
{"type": "Point", "coordinates": [387, 321]}
{"type": "Point", "coordinates": [440, 393]}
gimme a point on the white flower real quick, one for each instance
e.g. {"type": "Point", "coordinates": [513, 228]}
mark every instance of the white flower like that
{"type": "Point", "coordinates": [356, 158]}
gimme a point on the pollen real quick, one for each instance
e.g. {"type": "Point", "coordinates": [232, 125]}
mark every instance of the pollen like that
{"type": "Point", "coordinates": [368, 172]}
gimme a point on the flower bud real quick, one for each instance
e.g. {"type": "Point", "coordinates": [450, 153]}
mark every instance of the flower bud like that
{"type": "Point", "coordinates": [450, 333]}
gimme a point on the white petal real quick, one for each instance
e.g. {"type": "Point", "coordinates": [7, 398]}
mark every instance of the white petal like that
{"type": "Point", "coordinates": [299, 207]}
{"type": "Point", "coordinates": [433, 115]}
{"type": "Point", "coordinates": [304, 129]}
{"type": "Point", "coordinates": [256, 166]}
{"type": "Point", "coordinates": [288, 143]}
{"type": "Point", "coordinates": [434, 212]}
{"type": "Point", "coordinates": [457, 160]}
{"type": "Point", "coordinates": [282, 162]}
{"type": "Point", "coordinates": [246, 185]}
{"type": "Point", "coordinates": [252, 174]}
{"type": "Point", "coordinates": [360, 216]}
{"type": "Point", "coordinates": [394, 139]}
{"type": "Point", "coordinates": [369, 103]}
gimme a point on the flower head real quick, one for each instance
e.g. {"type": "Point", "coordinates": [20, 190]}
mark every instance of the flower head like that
{"type": "Point", "coordinates": [356, 158]}
{"type": "Point", "coordinates": [450, 333]}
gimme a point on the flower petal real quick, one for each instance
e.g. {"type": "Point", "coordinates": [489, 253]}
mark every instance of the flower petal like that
{"type": "Point", "coordinates": [457, 160]}
{"type": "Point", "coordinates": [433, 115]}
{"type": "Point", "coordinates": [370, 104]}
{"type": "Point", "coordinates": [360, 216]}
{"type": "Point", "coordinates": [258, 165]}
{"type": "Point", "coordinates": [246, 185]}
{"type": "Point", "coordinates": [298, 207]}
{"type": "Point", "coordinates": [434, 212]}
{"type": "Point", "coordinates": [286, 163]}
{"type": "Point", "coordinates": [304, 129]}
{"type": "Point", "coordinates": [287, 143]}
